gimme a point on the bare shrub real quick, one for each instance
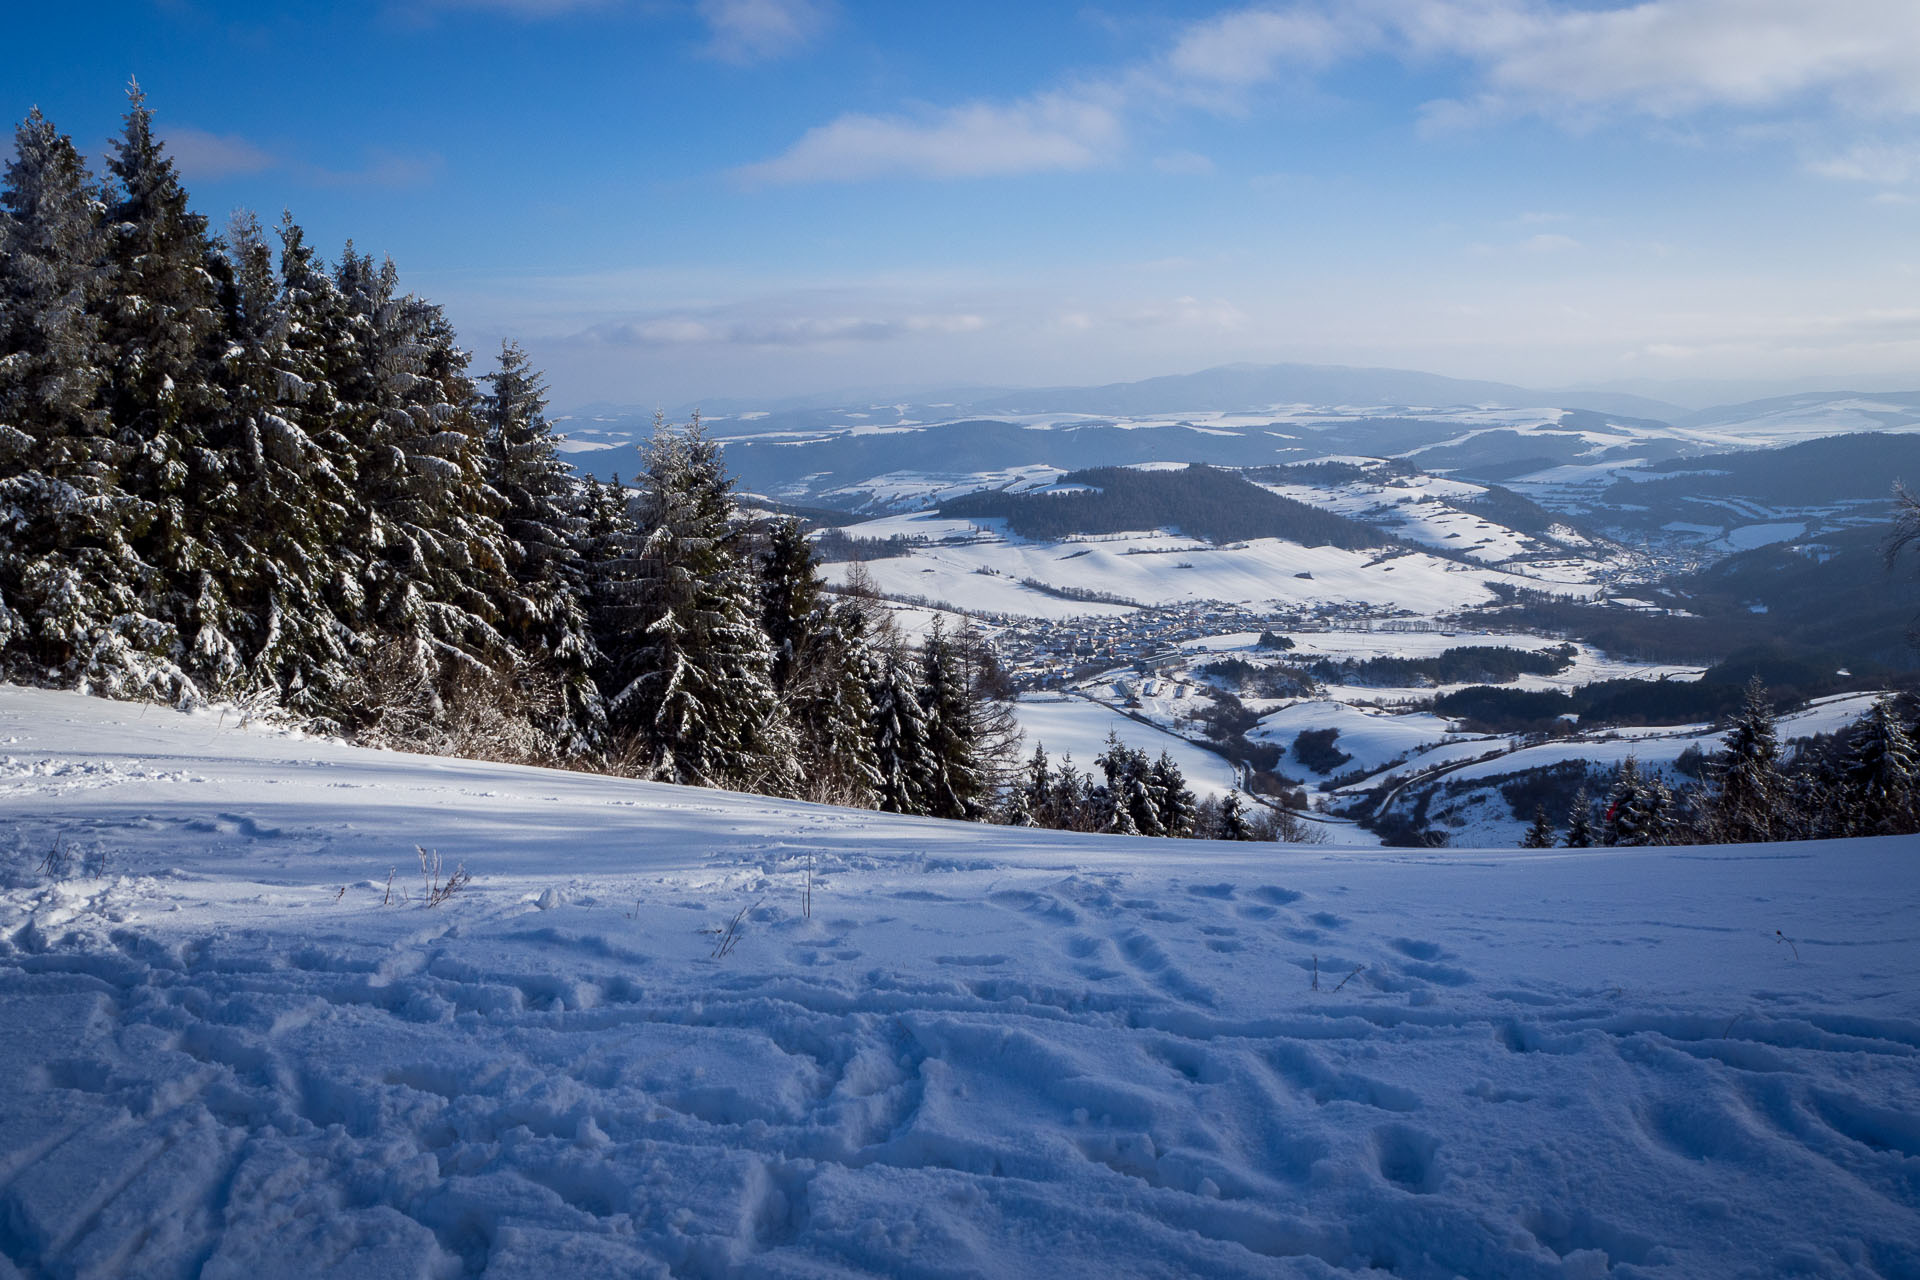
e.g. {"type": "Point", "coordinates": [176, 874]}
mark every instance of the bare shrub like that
{"type": "Point", "coordinates": [432, 870]}
{"type": "Point", "coordinates": [450, 703]}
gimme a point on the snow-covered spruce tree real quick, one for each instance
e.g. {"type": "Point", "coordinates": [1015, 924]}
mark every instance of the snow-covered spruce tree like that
{"type": "Point", "coordinates": [829, 701]}
{"type": "Point", "coordinates": [1175, 799]}
{"type": "Point", "coordinates": [543, 520]}
{"type": "Point", "coordinates": [434, 561]}
{"type": "Point", "coordinates": [1879, 774]}
{"type": "Point", "coordinates": [823, 669]}
{"type": "Point", "coordinates": [1580, 834]}
{"type": "Point", "coordinates": [997, 736]}
{"type": "Point", "coordinates": [162, 330]}
{"type": "Point", "coordinates": [1014, 810]}
{"type": "Point", "coordinates": [1036, 785]}
{"type": "Point", "coordinates": [67, 572]}
{"type": "Point", "coordinates": [293, 504]}
{"type": "Point", "coordinates": [1745, 800]}
{"type": "Point", "coordinates": [958, 785]}
{"type": "Point", "coordinates": [1639, 808]}
{"type": "Point", "coordinates": [1539, 835]}
{"type": "Point", "coordinates": [1233, 819]}
{"type": "Point", "coordinates": [1129, 781]}
{"type": "Point", "coordinates": [1074, 803]}
{"type": "Point", "coordinates": [902, 752]}
{"type": "Point", "coordinates": [789, 597]}
{"type": "Point", "coordinates": [699, 699]}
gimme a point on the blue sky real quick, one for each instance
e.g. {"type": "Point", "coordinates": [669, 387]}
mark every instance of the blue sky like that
{"type": "Point", "coordinates": [670, 200]}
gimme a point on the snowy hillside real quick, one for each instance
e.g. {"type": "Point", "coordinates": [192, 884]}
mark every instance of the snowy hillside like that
{"type": "Point", "coordinates": [983, 1052]}
{"type": "Point", "coordinates": [977, 566]}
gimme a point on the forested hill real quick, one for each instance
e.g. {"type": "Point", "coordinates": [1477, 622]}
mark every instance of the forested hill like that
{"type": "Point", "coordinates": [1199, 501]}
{"type": "Point", "coordinates": [1856, 467]}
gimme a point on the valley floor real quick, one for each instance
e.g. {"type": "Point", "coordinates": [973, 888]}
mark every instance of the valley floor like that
{"type": "Point", "coordinates": [982, 1051]}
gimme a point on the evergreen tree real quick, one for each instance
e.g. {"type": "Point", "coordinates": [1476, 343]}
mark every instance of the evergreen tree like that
{"type": "Point", "coordinates": [163, 328]}
{"type": "Point", "coordinates": [1015, 812]}
{"type": "Point", "coordinates": [1540, 834]}
{"type": "Point", "coordinates": [67, 572]}
{"type": "Point", "coordinates": [1580, 832]}
{"type": "Point", "coordinates": [700, 696]}
{"type": "Point", "coordinates": [1638, 808]}
{"type": "Point", "coordinates": [1233, 819]}
{"type": "Point", "coordinates": [293, 502]}
{"type": "Point", "coordinates": [989, 690]}
{"type": "Point", "coordinates": [1071, 798]}
{"type": "Point", "coordinates": [1175, 800]}
{"type": "Point", "coordinates": [434, 557]}
{"type": "Point", "coordinates": [828, 697]}
{"type": "Point", "coordinates": [543, 521]}
{"type": "Point", "coordinates": [1747, 800]}
{"type": "Point", "coordinates": [1878, 775]}
{"type": "Point", "coordinates": [902, 752]}
{"type": "Point", "coordinates": [1130, 787]}
{"type": "Point", "coordinates": [957, 783]}
{"type": "Point", "coordinates": [789, 597]}
{"type": "Point", "coordinates": [1036, 785]}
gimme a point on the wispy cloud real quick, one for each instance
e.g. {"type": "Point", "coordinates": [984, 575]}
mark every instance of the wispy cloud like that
{"type": "Point", "coordinates": [1548, 242]}
{"type": "Point", "coordinates": [1658, 60]}
{"type": "Point", "coordinates": [1889, 164]}
{"type": "Point", "coordinates": [391, 170]}
{"type": "Point", "coordinates": [210, 156]}
{"type": "Point", "coordinates": [1248, 46]}
{"type": "Point", "coordinates": [750, 31]}
{"type": "Point", "coordinates": [1050, 132]}
{"type": "Point", "coordinates": [760, 330]}
{"type": "Point", "coordinates": [200, 154]}
{"type": "Point", "coordinates": [532, 10]}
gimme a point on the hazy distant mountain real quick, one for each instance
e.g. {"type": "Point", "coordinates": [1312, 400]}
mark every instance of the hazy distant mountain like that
{"type": "Point", "coordinates": [1811, 414]}
{"type": "Point", "coordinates": [1237, 387]}
{"type": "Point", "coordinates": [1226, 389]}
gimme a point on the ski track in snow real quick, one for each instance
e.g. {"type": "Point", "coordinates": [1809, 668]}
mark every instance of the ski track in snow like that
{"type": "Point", "coordinates": [986, 1052]}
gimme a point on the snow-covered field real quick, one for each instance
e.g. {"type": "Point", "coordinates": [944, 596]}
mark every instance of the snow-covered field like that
{"type": "Point", "coordinates": [1068, 724]}
{"type": "Point", "coordinates": [981, 569]}
{"type": "Point", "coordinates": [984, 1052]}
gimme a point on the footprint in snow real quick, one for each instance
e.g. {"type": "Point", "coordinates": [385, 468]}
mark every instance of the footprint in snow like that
{"type": "Point", "coordinates": [1407, 1157]}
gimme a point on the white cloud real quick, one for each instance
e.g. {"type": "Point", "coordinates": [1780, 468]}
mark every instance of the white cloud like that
{"type": "Point", "coordinates": [1249, 45]}
{"type": "Point", "coordinates": [1053, 131]}
{"type": "Point", "coordinates": [749, 31]}
{"type": "Point", "coordinates": [1884, 164]}
{"type": "Point", "coordinates": [532, 10]}
{"type": "Point", "coordinates": [1670, 57]}
{"type": "Point", "coordinates": [1184, 313]}
{"type": "Point", "coordinates": [764, 327]}
{"type": "Point", "coordinates": [1548, 242]}
{"type": "Point", "coordinates": [200, 154]}
{"type": "Point", "coordinates": [1658, 59]}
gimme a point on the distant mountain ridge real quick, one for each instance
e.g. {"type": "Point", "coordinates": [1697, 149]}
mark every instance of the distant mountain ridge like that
{"type": "Point", "coordinates": [1228, 388]}
{"type": "Point", "coordinates": [1246, 387]}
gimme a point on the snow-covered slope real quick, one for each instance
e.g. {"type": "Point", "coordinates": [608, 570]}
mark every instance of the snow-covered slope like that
{"type": "Point", "coordinates": [984, 1052]}
{"type": "Point", "coordinates": [978, 566]}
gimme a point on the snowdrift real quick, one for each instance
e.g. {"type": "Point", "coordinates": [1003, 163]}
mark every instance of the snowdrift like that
{"type": "Point", "coordinates": [929, 1049]}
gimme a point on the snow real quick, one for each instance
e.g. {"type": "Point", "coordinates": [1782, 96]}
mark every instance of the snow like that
{"type": "Point", "coordinates": [1372, 738]}
{"type": "Point", "coordinates": [1749, 536]}
{"type": "Point", "coordinates": [1067, 724]}
{"type": "Point", "coordinates": [1155, 567]}
{"type": "Point", "coordinates": [985, 1052]}
{"type": "Point", "coordinates": [1416, 508]}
